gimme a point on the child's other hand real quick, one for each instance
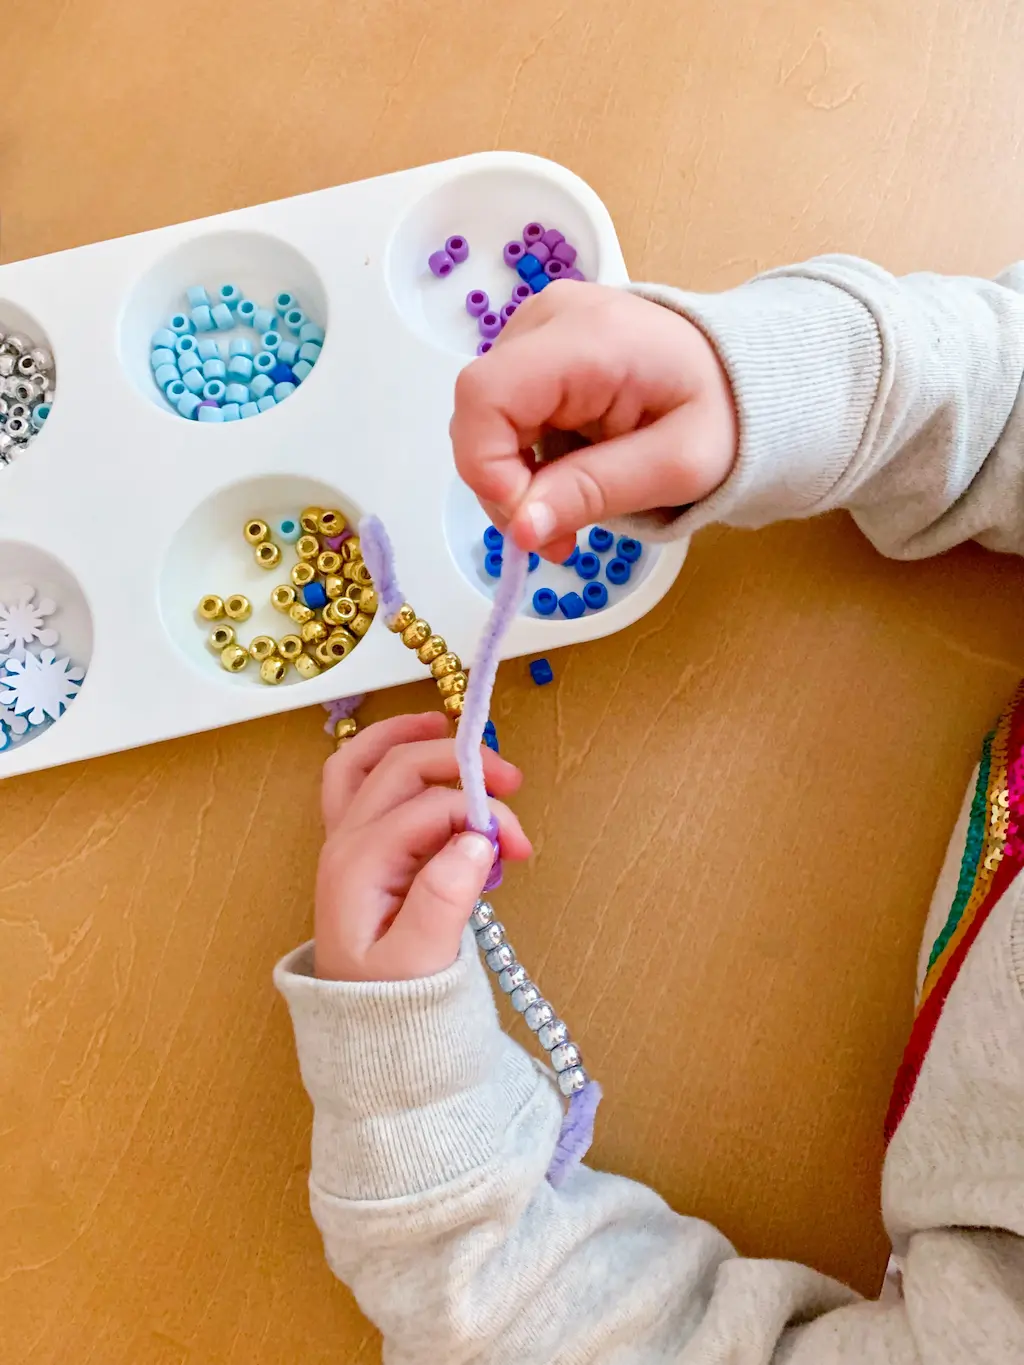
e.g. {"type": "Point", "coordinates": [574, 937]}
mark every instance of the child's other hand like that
{"type": "Point", "coordinates": [398, 878]}
{"type": "Point", "coordinates": [640, 380]}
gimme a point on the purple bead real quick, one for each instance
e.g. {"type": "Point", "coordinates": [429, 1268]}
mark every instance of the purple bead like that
{"type": "Point", "coordinates": [564, 252]}
{"type": "Point", "coordinates": [440, 263]}
{"type": "Point", "coordinates": [457, 248]}
{"type": "Point", "coordinates": [552, 238]}
{"type": "Point", "coordinates": [554, 269]}
{"type": "Point", "coordinates": [521, 293]}
{"type": "Point", "coordinates": [336, 542]}
{"type": "Point", "coordinates": [573, 274]}
{"type": "Point", "coordinates": [540, 252]}
{"type": "Point", "coordinates": [508, 310]}
{"type": "Point", "coordinates": [484, 347]}
{"type": "Point", "coordinates": [489, 324]}
{"type": "Point", "coordinates": [533, 232]}
{"type": "Point", "coordinates": [513, 253]}
{"type": "Point", "coordinates": [208, 403]}
{"type": "Point", "coordinates": [477, 302]}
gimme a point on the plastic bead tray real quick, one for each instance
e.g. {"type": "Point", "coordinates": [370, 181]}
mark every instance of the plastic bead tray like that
{"type": "Point", "coordinates": [126, 515]}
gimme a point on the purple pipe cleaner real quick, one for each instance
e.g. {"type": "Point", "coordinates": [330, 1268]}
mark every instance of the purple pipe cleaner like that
{"type": "Point", "coordinates": [379, 558]}
{"type": "Point", "coordinates": [341, 710]}
{"type": "Point", "coordinates": [575, 1135]}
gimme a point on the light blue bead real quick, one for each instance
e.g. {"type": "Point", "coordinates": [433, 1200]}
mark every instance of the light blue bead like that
{"type": "Point", "coordinates": [309, 331]}
{"type": "Point", "coordinates": [289, 531]}
{"type": "Point", "coordinates": [223, 317]}
{"type": "Point", "coordinates": [260, 386]}
{"type": "Point", "coordinates": [215, 389]}
{"type": "Point", "coordinates": [236, 393]}
{"type": "Point", "coordinates": [246, 312]}
{"type": "Point", "coordinates": [166, 374]}
{"type": "Point", "coordinates": [193, 380]}
{"type": "Point", "coordinates": [188, 405]}
{"type": "Point", "coordinates": [270, 341]}
{"type": "Point", "coordinates": [210, 415]}
{"type": "Point", "coordinates": [284, 302]}
{"type": "Point", "coordinates": [282, 391]}
{"type": "Point", "coordinates": [231, 412]}
{"type": "Point", "coordinates": [240, 346]}
{"type": "Point", "coordinates": [163, 337]}
{"type": "Point", "coordinates": [189, 361]}
{"type": "Point", "coordinates": [310, 351]}
{"type": "Point", "coordinates": [214, 369]}
{"type": "Point", "coordinates": [202, 319]}
{"type": "Point", "coordinates": [39, 415]}
{"type": "Point", "coordinates": [229, 294]}
{"type": "Point", "coordinates": [184, 345]}
{"type": "Point", "coordinates": [302, 369]}
{"type": "Point", "coordinates": [288, 352]}
{"type": "Point", "coordinates": [240, 367]}
{"type": "Point", "coordinates": [295, 319]}
{"type": "Point", "coordinates": [263, 320]}
{"type": "Point", "coordinates": [174, 392]}
{"type": "Point", "coordinates": [163, 356]}
{"type": "Point", "coordinates": [249, 410]}
{"type": "Point", "coordinates": [197, 296]}
{"type": "Point", "coordinates": [267, 402]}
{"type": "Point", "coordinates": [264, 362]}
{"type": "Point", "coordinates": [208, 350]}
{"type": "Point", "coordinates": [180, 325]}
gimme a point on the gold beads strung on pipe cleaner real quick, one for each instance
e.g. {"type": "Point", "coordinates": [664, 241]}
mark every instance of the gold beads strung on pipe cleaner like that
{"type": "Point", "coordinates": [432, 650]}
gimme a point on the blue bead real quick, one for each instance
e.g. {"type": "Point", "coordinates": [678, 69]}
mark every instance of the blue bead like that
{"type": "Point", "coordinates": [289, 531]}
{"type": "Point", "coordinates": [492, 563]}
{"type": "Point", "coordinates": [568, 563]}
{"type": "Point", "coordinates": [210, 414]}
{"type": "Point", "coordinates": [39, 415]}
{"type": "Point", "coordinates": [595, 595]}
{"type": "Point", "coordinates": [193, 380]}
{"type": "Point", "coordinates": [617, 571]}
{"type": "Point", "coordinates": [270, 341]}
{"type": "Point", "coordinates": [236, 393]}
{"type": "Point", "coordinates": [601, 540]}
{"type": "Point", "coordinates": [163, 356]}
{"type": "Point", "coordinates": [294, 319]}
{"type": "Point", "coordinates": [283, 391]}
{"type": "Point", "coordinates": [571, 605]}
{"type": "Point", "coordinates": [264, 362]}
{"type": "Point", "coordinates": [540, 672]}
{"type": "Point", "coordinates": [302, 369]}
{"type": "Point", "coordinates": [309, 331]}
{"type": "Point", "coordinates": [267, 402]}
{"type": "Point", "coordinates": [260, 387]}
{"type": "Point", "coordinates": [166, 374]}
{"type": "Point", "coordinates": [175, 391]}
{"type": "Point", "coordinates": [588, 565]}
{"type": "Point", "coordinates": [314, 595]}
{"type": "Point", "coordinates": [285, 301]}
{"type": "Point", "coordinates": [231, 412]}
{"type": "Point", "coordinates": [163, 337]}
{"type": "Point", "coordinates": [282, 374]}
{"type": "Point", "coordinates": [490, 737]}
{"type": "Point", "coordinates": [288, 352]}
{"type": "Point", "coordinates": [180, 325]}
{"type": "Point", "coordinates": [533, 562]}
{"type": "Point", "coordinates": [188, 404]}
{"type": "Point", "coordinates": [493, 539]}
{"type": "Point", "coordinates": [223, 318]}
{"type": "Point", "coordinates": [197, 296]}
{"type": "Point", "coordinates": [263, 320]}
{"type": "Point", "coordinates": [249, 410]}
{"type": "Point", "coordinates": [240, 346]}
{"type": "Point", "coordinates": [240, 367]}
{"type": "Point", "coordinates": [208, 350]}
{"type": "Point", "coordinates": [545, 600]}
{"type": "Point", "coordinates": [214, 388]}
{"type": "Point", "coordinates": [189, 361]}
{"type": "Point", "coordinates": [310, 352]}
{"type": "Point", "coordinates": [202, 319]}
{"type": "Point", "coordinates": [246, 312]}
{"type": "Point", "coordinates": [628, 549]}
{"type": "Point", "coordinates": [528, 267]}
{"type": "Point", "coordinates": [539, 282]}
{"type": "Point", "coordinates": [214, 369]}
{"type": "Point", "coordinates": [229, 294]}
{"type": "Point", "coordinates": [186, 345]}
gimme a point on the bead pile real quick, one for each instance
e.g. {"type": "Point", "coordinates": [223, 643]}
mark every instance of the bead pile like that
{"type": "Point", "coordinates": [224, 381]}
{"type": "Point", "coordinates": [36, 684]}
{"type": "Point", "coordinates": [330, 601]}
{"type": "Point", "coordinates": [542, 256]}
{"type": "Point", "coordinates": [622, 555]}
{"type": "Point", "coordinates": [453, 253]}
{"type": "Point", "coordinates": [27, 383]}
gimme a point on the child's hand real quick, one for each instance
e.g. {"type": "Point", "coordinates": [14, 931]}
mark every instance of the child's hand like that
{"type": "Point", "coordinates": [639, 379]}
{"type": "Point", "coordinates": [398, 879]}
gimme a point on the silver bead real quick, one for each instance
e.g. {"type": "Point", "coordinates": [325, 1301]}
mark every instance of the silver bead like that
{"type": "Point", "coordinates": [501, 957]}
{"type": "Point", "coordinates": [572, 1081]}
{"type": "Point", "coordinates": [22, 391]}
{"type": "Point", "coordinates": [512, 978]}
{"type": "Point", "coordinates": [564, 1056]}
{"type": "Point", "coordinates": [490, 936]}
{"type": "Point", "coordinates": [481, 916]}
{"type": "Point", "coordinates": [16, 344]}
{"type": "Point", "coordinates": [553, 1035]}
{"type": "Point", "coordinates": [538, 1015]}
{"type": "Point", "coordinates": [26, 365]}
{"type": "Point", "coordinates": [40, 384]}
{"type": "Point", "coordinates": [524, 996]}
{"type": "Point", "coordinates": [42, 357]}
{"type": "Point", "coordinates": [18, 428]}
{"type": "Point", "coordinates": [18, 410]}
{"type": "Point", "coordinates": [6, 446]}
{"type": "Point", "coordinates": [7, 363]}
{"type": "Point", "coordinates": [5, 408]}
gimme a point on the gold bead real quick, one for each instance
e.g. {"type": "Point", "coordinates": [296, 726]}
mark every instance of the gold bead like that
{"type": "Point", "coordinates": [338, 644]}
{"type": "Point", "coordinates": [211, 607]}
{"type": "Point", "coordinates": [267, 554]}
{"type": "Point", "coordinates": [289, 647]}
{"type": "Point", "coordinates": [340, 612]}
{"type": "Point", "coordinates": [328, 561]}
{"type": "Point", "coordinates": [432, 649]}
{"type": "Point", "coordinates": [220, 637]}
{"type": "Point", "coordinates": [307, 667]}
{"type": "Point", "coordinates": [334, 586]}
{"type": "Point", "coordinates": [238, 607]}
{"type": "Point", "coordinates": [234, 658]}
{"type": "Point", "coordinates": [361, 574]}
{"type": "Point", "coordinates": [256, 531]}
{"type": "Point", "coordinates": [302, 574]}
{"type": "Point", "coordinates": [310, 520]}
{"type": "Point", "coordinates": [366, 599]}
{"type": "Point", "coordinates": [445, 664]}
{"type": "Point", "coordinates": [313, 632]}
{"type": "Point", "coordinates": [300, 613]}
{"type": "Point", "coordinates": [403, 617]}
{"type": "Point", "coordinates": [272, 670]}
{"type": "Point", "coordinates": [417, 634]}
{"type": "Point", "coordinates": [453, 705]}
{"type": "Point", "coordinates": [360, 624]}
{"type": "Point", "coordinates": [283, 596]}
{"type": "Point", "coordinates": [330, 522]}
{"type": "Point", "coordinates": [346, 728]}
{"type": "Point", "coordinates": [348, 569]}
{"type": "Point", "coordinates": [262, 647]}
{"type": "Point", "coordinates": [451, 683]}
{"type": "Point", "coordinates": [351, 548]}
{"type": "Point", "coordinates": [307, 547]}
{"type": "Point", "coordinates": [322, 654]}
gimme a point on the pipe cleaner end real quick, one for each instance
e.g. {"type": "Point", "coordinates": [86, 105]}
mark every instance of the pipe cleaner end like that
{"type": "Point", "coordinates": [575, 1135]}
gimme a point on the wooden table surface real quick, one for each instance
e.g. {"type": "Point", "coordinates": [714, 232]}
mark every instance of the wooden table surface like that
{"type": "Point", "coordinates": [739, 805]}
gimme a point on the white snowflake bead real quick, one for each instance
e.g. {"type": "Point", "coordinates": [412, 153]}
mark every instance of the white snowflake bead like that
{"type": "Point", "coordinates": [23, 623]}
{"type": "Point", "coordinates": [11, 726]}
{"type": "Point", "coordinates": [40, 686]}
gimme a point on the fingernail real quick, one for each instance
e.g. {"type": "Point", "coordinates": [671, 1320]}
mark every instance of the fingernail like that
{"type": "Point", "coordinates": [542, 520]}
{"type": "Point", "coordinates": [476, 849]}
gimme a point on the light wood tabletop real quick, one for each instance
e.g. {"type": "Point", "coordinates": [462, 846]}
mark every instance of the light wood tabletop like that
{"type": "Point", "coordinates": [739, 805]}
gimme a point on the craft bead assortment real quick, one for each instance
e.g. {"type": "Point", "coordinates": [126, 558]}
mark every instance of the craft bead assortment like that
{"type": "Point", "coordinates": [27, 389]}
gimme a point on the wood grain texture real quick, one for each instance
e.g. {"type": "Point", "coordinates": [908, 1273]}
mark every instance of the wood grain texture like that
{"type": "Point", "coordinates": [739, 806]}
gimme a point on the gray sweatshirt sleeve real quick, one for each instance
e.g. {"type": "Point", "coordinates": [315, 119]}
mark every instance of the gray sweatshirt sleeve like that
{"type": "Point", "coordinates": [894, 398]}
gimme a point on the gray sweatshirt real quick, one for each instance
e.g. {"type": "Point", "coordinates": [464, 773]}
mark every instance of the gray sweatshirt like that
{"type": "Point", "coordinates": [433, 1130]}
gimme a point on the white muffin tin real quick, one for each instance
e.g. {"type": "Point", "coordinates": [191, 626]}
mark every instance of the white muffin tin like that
{"type": "Point", "coordinates": [126, 513]}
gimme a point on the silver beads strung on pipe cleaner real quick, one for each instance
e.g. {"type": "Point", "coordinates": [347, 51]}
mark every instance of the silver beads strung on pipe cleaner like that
{"type": "Point", "coordinates": [526, 999]}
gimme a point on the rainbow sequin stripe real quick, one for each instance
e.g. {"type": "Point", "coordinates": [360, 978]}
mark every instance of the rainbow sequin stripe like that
{"type": "Point", "coordinates": [993, 855]}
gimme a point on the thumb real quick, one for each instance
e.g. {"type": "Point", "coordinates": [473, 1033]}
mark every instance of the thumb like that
{"type": "Point", "coordinates": [429, 926]}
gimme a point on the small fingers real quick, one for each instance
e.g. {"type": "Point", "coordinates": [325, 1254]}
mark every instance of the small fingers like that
{"type": "Point", "coordinates": [346, 770]}
{"type": "Point", "coordinates": [408, 769]}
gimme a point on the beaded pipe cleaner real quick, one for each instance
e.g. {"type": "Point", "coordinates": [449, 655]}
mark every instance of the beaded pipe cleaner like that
{"type": "Point", "coordinates": [467, 703]}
